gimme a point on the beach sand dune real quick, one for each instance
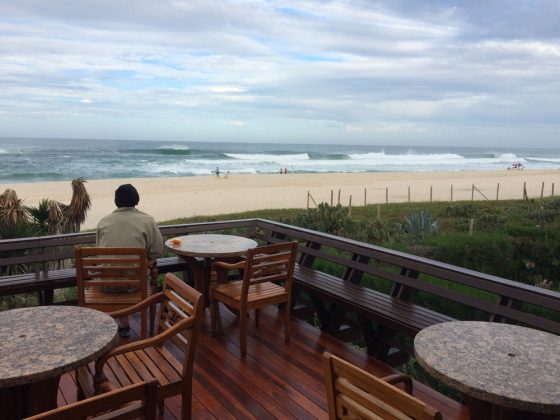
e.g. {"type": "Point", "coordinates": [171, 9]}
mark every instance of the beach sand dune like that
{"type": "Point", "coordinates": [170, 198]}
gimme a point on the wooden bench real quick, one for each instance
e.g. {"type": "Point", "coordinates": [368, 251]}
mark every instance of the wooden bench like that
{"type": "Point", "coordinates": [394, 313]}
{"type": "Point", "coordinates": [379, 315]}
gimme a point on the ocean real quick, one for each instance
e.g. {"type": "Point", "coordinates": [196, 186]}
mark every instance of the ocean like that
{"type": "Point", "coordinates": [37, 160]}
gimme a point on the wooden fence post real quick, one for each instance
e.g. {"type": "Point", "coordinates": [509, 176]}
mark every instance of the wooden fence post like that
{"type": "Point", "coordinates": [350, 205]}
{"type": "Point", "coordinates": [552, 189]}
{"type": "Point", "coordinates": [378, 211]}
{"type": "Point", "coordinates": [471, 227]}
{"type": "Point", "coordinates": [472, 193]}
{"type": "Point", "coordinates": [332, 197]}
{"type": "Point", "coordinates": [451, 192]}
{"type": "Point", "coordinates": [365, 197]}
{"type": "Point", "coordinates": [498, 192]}
{"type": "Point", "coordinates": [430, 193]}
{"type": "Point", "coordinates": [409, 194]}
{"type": "Point", "coordinates": [386, 195]}
{"type": "Point", "coordinates": [542, 190]}
{"type": "Point", "coordinates": [339, 196]}
{"type": "Point", "coordinates": [307, 199]}
{"type": "Point", "coordinates": [525, 196]}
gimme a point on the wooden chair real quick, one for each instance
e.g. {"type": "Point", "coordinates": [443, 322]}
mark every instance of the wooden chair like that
{"type": "Point", "coordinates": [353, 393]}
{"type": "Point", "coordinates": [100, 269]}
{"type": "Point", "coordinates": [168, 356]}
{"type": "Point", "coordinates": [263, 269]}
{"type": "Point", "coordinates": [118, 404]}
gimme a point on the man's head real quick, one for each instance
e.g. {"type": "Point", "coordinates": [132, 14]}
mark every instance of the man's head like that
{"type": "Point", "coordinates": [126, 196]}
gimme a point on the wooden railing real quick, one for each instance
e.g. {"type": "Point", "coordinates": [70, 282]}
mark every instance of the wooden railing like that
{"type": "Point", "coordinates": [376, 290]}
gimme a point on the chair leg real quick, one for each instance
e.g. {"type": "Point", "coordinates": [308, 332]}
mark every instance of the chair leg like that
{"type": "Point", "coordinates": [143, 323]}
{"type": "Point", "coordinates": [79, 392]}
{"type": "Point", "coordinates": [153, 310]}
{"type": "Point", "coordinates": [186, 405]}
{"type": "Point", "coordinates": [257, 312]}
{"type": "Point", "coordinates": [243, 335]}
{"type": "Point", "coordinates": [287, 323]}
{"type": "Point", "coordinates": [215, 319]}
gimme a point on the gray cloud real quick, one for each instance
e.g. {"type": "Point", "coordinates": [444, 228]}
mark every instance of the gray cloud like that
{"type": "Point", "coordinates": [356, 68]}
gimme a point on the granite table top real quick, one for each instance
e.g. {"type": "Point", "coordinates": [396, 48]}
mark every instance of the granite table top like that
{"type": "Point", "coordinates": [210, 245]}
{"type": "Point", "coordinates": [507, 365]}
{"type": "Point", "coordinates": [42, 342]}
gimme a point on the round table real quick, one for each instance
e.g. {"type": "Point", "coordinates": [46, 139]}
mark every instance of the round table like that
{"type": "Point", "coordinates": [501, 369]}
{"type": "Point", "coordinates": [39, 344]}
{"type": "Point", "coordinates": [208, 247]}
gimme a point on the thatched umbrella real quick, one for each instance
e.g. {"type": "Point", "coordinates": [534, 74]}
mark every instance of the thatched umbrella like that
{"type": "Point", "coordinates": [67, 218]}
{"type": "Point", "coordinates": [11, 210]}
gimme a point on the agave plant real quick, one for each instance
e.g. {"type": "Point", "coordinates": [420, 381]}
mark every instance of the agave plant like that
{"type": "Point", "coordinates": [419, 224]}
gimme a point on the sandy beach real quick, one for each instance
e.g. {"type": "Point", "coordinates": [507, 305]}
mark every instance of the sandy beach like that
{"type": "Point", "coordinates": [170, 198]}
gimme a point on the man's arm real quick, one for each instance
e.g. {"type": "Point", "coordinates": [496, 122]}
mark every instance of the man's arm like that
{"type": "Point", "coordinates": [154, 247]}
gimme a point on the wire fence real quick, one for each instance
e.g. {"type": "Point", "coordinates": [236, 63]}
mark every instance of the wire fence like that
{"type": "Point", "coordinates": [384, 195]}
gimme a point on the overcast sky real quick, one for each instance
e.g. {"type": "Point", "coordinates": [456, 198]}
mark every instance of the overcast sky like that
{"type": "Point", "coordinates": [357, 72]}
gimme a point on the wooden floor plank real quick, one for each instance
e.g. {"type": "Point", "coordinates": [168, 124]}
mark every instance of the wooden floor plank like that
{"type": "Point", "coordinates": [274, 380]}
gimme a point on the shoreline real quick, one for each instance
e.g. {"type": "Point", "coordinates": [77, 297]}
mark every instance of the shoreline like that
{"type": "Point", "coordinates": [168, 198]}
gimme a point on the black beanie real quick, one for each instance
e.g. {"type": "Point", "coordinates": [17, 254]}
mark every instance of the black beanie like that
{"type": "Point", "coordinates": [126, 196]}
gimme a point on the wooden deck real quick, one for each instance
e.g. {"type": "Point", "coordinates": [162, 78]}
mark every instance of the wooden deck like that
{"type": "Point", "coordinates": [275, 380]}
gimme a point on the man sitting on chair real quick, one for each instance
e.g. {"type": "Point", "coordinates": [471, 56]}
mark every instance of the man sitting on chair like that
{"type": "Point", "coordinates": [129, 227]}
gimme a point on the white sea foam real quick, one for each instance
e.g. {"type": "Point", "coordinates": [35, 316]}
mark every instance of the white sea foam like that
{"type": "Point", "coordinates": [174, 147]}
{"type": "Point", "coordinates": [258, 157]}
{"type": "Point", "coordinates": [3, 151]}
{"type": "Point", "coordinates": [382, 158]}
{"type": "Point", "coordinates": [508, 158]}
{"type": "Point", "coordinates": [536, 159]}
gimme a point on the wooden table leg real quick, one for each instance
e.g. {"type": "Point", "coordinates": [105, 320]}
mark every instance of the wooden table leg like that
{"type": "Point", "coordinates": [22, 401]}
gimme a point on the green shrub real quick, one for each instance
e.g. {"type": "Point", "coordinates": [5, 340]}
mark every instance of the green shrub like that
{"type": "Point", "coordinates": [329, 219]}
{"type": "Point", "coordinates": [492, 253]}
{"type": "Point", "coordinates": [466, 210]}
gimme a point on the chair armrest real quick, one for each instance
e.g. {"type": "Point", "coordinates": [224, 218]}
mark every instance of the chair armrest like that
{"type": "Point", "coordinates": [152, 300]}
{"type": "Point", "coordinates": [99, 376]}
{"type": "Point", "coordinates": [400, 378]}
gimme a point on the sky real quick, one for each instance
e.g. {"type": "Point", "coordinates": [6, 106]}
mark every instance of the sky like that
{"type": "Point", "coordinates": [396, 72]}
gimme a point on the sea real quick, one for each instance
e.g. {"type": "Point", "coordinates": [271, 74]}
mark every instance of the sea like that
{"type": "Point", "coordinates": [38, 160]}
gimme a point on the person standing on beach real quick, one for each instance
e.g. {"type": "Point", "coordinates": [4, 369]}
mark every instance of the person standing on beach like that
{"type": "Point", "coordinates": [217, 171]}
{"type": "Point", "coordinates": [129, 227]}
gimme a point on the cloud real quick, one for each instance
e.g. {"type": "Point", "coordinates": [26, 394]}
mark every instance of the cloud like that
{"type": "Point", "coordinates": [355, 66]}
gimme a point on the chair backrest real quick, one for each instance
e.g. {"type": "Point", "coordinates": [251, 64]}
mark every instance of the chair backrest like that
{"type": "Point", "coordinates": [182, 304]}
{"type": "Point", "coordinates": [355, 393]}
{"type": "Point", "coordinates": [110, 267]}
{"type": "Point", "coordinates": [270, 263]}
{"type": "Point", "coordinates": [131, 402]}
